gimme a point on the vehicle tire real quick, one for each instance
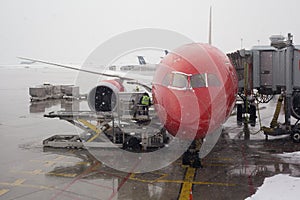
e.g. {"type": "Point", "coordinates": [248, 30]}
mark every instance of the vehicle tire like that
{"type": "Point", "coordinates": [296, 136]}
{"type": "Point", "coordinates": [134, 144]}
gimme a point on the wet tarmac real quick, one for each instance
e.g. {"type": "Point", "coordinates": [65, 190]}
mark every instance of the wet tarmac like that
{"type": "Point", "coordinates": [233, 170]}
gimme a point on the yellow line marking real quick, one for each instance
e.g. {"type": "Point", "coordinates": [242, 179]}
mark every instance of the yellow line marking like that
{"type": "Point", "coordinates": [34, 172]}
{"type": "Point", "coordinates": [37, 172]}
{"type": "Point", "coordinates": [62, 174]}
{"type": "Point", "coordinates": [161, 180]}
{"type": "Point", "coordinates": [83, 163]}
{"type": "Point", "coordinates": [40, 172]}
{"type": "Point", "coordinates": [217, 165]}
{"type": "Point", "coordinates": [196, 182]}
{"type": "Point", "coordinates": [92, 127]}
{"type": "Point", "coordinates": [224, 159]}
{"type": "Point", "coordinates": [132, 177]}
{"type": "Point", "coordinates": [19, 183]}
{"type": "Point", "coordinates": [94, 137]}
{"type": "Point", "coordinates": [49, 163]}
{"type": "Point", "coordinates": [3, 191]}
{"type": "Point", "coordinates": [188, 183]}
{"type": "Point", "coordinates": [54, 161]}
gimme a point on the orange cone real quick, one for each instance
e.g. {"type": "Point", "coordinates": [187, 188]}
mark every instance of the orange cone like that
{"type": "Point", "coordinates": [191, 194]}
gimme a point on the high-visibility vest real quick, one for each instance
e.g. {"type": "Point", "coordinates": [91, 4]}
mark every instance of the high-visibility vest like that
{"type": "Point", "coordinates": [145, 100]}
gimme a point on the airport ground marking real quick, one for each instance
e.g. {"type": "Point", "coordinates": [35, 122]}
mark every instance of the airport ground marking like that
{"type": "Point", "coordinates": [108, 173]}
{"type": "Point", "coordinates": [34, 172]}
{"type": "Point", "coordinates": [55, 160]}
{"type": "Point", "coordinates": [3, 191]}
{"type": "Point", "coordinates": [62, 174]}
{"type": "Point", "coordinates": [94, 137]}
{"type": "Point", "coordinates": [92, 127]}
{"type": "Point", "coordinates": [197, 182]}
{"type": "Point", "coordinates": [20, 183]}
{"type": "Point", "coordinates": [132, 177]}
{"type": "Point", "coordinates": [125, 179]}
{"type": "Point", "coordinates": [87, 171]}
{"type": "Point", "coordinates": [217, 165]}
{"type": "Point", "coordinates": [49, 163]}
{"type": "Point", "coordinates": [161, 180]}
{"type": "Point", "coordinates": [96, 184]}
{"type": "Point", "coordinates": [223, 159]}
{"type": "Point", "coordinates": [40, 172]}
{"type": "Point", "coordinates": [245, 162]}
{"type": "Point", "coordinates": [187, 184]}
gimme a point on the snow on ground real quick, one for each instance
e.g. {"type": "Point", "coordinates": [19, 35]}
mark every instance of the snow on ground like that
{"type": "Point", "coordinates": [278, 187]}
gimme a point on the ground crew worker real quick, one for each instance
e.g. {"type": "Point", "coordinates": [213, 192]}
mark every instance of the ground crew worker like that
{"type": "Point", "coordinates": [145, 102]}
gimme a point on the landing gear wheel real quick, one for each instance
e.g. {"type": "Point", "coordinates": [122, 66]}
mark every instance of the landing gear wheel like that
{"type": "Point", "coordinates": [196, 162]}
{"type": "Point", "coordinates": [296, 136]}
{"type": "Point", "coordinates": [133, 144]}
{"type": "Point", "coordinates": [186, 158]}
{"type": "Point", "coordinates": [192, 159]}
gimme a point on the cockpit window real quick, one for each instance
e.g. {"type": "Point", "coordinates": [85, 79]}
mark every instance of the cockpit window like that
{"type": "Point", "coordinates": [180, 81]}
{"type": "Point", "coordinates": [204, 80]}
{"type": "Point", "coordinates": [198, 80]}
{"type": "Point", "coordinates": [167, 80]}
{"type": "Point", "coordinates": [213, 80]}
{"type": "Point", "coordinates": [187, 81]}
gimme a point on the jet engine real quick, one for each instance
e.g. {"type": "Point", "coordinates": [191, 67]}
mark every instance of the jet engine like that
{"type": "Point", "coordinates": [103, 97]}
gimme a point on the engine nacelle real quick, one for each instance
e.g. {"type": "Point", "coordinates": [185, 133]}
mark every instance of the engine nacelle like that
{"type": "Point", "coordinates": [103, 97]}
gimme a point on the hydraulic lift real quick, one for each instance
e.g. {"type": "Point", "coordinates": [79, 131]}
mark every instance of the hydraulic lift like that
{"type": "Point", "coordinates": [115, 129]}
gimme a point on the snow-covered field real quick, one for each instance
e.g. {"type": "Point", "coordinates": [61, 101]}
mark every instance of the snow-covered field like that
{"type": "Point", "coordinates": [278, 187]}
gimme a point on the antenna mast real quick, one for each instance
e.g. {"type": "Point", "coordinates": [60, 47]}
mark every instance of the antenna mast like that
{"type": "Point", "coordinates": [210, 25]}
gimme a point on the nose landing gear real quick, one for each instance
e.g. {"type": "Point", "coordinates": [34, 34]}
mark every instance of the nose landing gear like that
{"type": "Point", "coordinates": [191, 156]}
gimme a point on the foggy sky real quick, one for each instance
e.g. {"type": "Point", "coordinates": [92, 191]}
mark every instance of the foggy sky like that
{"type": "Point", "coordinates": [68, 30]}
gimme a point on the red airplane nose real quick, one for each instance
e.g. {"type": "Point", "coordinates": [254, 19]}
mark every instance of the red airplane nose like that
{"type": "Point", "coordinates": [180, 112]}
{"type": "Point", "coordinates": [194, 90]}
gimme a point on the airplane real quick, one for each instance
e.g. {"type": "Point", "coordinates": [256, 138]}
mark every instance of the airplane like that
{"type": "Point", "coordinates": [194, 90]}
{"type": "Point", "coordinates": [26, 62]}
{"type": "Point", "coordinates": [143, 66]}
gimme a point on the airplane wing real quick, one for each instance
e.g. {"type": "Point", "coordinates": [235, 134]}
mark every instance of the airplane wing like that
{"type": "Point", "coordinates": [149, 89]}
{"type": "Point", "coordinates": [77, 69]}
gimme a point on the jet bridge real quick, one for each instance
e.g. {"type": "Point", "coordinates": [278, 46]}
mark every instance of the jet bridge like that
{"type": "Point", "coordinates": [265, 71]}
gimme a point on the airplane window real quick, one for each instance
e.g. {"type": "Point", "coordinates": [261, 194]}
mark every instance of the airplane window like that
{"type": "Point", "coordinates": [213, 80]}
{"type": "Point", "coordinates": [180, 81]}
{"type": "Point", "coordinates": [198, 80]}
